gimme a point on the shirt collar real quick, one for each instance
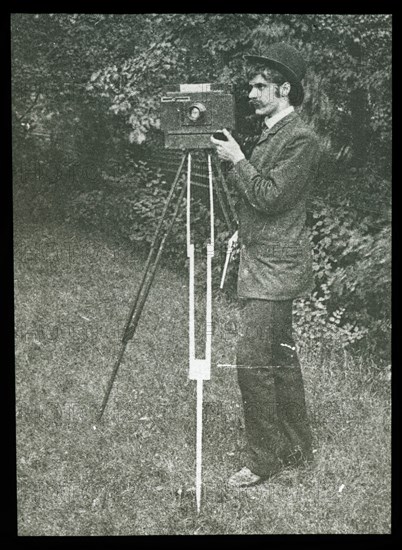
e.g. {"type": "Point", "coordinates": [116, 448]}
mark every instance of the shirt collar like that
{"type": "Point", "coordinates": [269, 122]}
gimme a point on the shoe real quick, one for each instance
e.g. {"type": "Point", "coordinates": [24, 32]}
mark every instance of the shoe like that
{"type": "Point", "coordinates": [244, 478]}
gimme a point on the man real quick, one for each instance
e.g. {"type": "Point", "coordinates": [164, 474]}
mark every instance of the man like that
{"type": "Point", "coordinates": [275, 263]}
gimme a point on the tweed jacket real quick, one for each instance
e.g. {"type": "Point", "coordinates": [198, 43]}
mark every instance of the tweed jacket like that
{"type": "Point", "coordinates": [275, 252]}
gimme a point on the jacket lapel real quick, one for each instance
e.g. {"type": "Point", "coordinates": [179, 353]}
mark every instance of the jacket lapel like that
{"type": "Point", "coordinates": [280, 124]}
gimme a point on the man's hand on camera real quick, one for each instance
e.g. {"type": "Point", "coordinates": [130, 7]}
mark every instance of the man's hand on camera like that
{"type": "Point", "coordinates": [228, 150]}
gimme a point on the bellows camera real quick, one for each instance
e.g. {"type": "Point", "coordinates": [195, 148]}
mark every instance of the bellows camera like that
{"type": "Point", "coordinates": [191, 113]}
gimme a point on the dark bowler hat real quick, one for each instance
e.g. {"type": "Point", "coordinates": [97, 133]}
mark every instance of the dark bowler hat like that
{"type": "Point", "coordinates": [283, 58]}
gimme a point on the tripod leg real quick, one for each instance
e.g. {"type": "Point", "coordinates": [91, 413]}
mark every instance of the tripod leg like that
{"type": "Point", "coordinates": [223, 206]}
{"type": "Point", "coordinates": [154, 241]}
{"type": "Point", "coordinates": [139, 304]}
{"type": "Point", "coordinates": [228, 195]}
{"type": "Point", "coordinates": [198, 471]}
{"type": "Point", "coordinates": [111, 381]}
{"type": "Point", "coordinates": [130, 332]}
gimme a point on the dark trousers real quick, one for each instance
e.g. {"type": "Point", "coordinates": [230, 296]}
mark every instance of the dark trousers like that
{"type": "Point", "coordinates": [269, 375]}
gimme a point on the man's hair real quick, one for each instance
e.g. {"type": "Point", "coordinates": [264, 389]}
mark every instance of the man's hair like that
{"type": "Point", "coordinates": [296, 93]}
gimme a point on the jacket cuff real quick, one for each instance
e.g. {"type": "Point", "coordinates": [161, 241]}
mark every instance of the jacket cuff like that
{"type": "Point", "coordinates": [244, 172]}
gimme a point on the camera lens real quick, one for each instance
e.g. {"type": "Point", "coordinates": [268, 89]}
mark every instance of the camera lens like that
{"type": "Point", "coordinates": [196, 112]}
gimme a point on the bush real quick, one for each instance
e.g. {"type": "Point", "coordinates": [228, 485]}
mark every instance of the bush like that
{"type": "Point", "coordinates": [352, 265]}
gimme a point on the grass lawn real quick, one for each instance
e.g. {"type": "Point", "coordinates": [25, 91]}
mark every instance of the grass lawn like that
{"type": "Point", "coordinates": [134, 473]}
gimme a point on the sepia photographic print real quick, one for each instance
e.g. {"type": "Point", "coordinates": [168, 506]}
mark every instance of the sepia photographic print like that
{"type": "Point", "coordinates": [202, 273]}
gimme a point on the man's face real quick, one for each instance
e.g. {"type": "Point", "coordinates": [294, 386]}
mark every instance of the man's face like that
{"type": "Point", "coordinates": [263, 96]}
